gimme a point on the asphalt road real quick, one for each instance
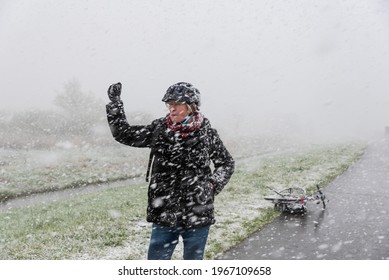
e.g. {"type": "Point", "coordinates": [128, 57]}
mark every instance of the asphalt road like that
{"type": "Point", "coordinates": [354, 225]}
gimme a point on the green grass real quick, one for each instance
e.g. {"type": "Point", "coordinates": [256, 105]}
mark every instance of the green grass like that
{"type": "Point", "coordinates": [111, 224]}
{"type": "Point", "coordinates": [79, 227]}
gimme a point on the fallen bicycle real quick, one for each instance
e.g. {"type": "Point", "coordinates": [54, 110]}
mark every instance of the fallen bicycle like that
{"type": "Point", "coordinates": [294, 199]}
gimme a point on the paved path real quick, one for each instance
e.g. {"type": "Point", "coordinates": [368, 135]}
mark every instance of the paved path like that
{"type": "Point", "coordinates": [355, 224]}
{"type": "Point", "coordinates": [47, 197]}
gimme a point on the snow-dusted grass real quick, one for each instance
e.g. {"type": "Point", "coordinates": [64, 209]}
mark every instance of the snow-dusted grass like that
{"type": "Point", "coordinates": [29, 171]}
{"type": "Point", "coordinates": [79, 227]}
{"type": "Point", "coordinates": [24, 172]}
{"type": "Point", "coordinates": [111, 224]}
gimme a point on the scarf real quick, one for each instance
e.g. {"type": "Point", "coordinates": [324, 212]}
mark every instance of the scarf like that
{"type": "Point", "coordinates": [194, 123]}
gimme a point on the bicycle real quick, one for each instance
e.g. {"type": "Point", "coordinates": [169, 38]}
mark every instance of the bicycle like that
{"type": "Point", "coordinates": [294, 199]}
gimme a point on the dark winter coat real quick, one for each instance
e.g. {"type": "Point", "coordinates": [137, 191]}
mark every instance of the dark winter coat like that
{"type": "Point", "coordinates": [182, 185]}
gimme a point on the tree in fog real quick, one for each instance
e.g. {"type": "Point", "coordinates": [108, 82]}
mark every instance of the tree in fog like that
{"type": "Point", "coordinates": [81, 111]}
{"type": "Point", "coordinates": [81, 118]}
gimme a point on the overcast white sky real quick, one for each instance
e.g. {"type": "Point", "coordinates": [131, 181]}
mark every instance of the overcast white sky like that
{"type": "Point", "coordinates": [320, 67]}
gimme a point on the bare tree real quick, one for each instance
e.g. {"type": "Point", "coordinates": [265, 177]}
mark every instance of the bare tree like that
{"type": "Point", "coordinates": [81, 111]}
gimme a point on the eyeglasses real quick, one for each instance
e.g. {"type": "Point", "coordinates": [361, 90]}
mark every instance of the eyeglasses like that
{"type": "Point", "coordinates": [170, 104]}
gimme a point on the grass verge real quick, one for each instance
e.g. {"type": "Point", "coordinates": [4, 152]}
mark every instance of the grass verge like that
{"type": "Point", "coordinates": [25, 172]}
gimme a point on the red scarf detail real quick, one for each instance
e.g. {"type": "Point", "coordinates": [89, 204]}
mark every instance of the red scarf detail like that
{"type": "Point", "coordinates": [193, 124]}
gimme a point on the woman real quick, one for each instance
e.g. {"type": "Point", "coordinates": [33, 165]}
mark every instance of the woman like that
{"type": "Point", "coordinates": [182, 184]}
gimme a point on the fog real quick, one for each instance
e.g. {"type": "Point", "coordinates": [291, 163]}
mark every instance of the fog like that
{"type": "Point", "coordinates": [316, 69]}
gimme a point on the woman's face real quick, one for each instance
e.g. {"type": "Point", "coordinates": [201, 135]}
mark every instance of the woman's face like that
{"type": "Point", "coordinates": [178, 111]}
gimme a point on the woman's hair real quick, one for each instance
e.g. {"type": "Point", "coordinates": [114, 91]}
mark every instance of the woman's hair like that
{"type": "Point", "coordinates": [193, 108]}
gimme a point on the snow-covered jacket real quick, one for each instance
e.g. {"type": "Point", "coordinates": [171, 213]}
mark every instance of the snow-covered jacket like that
{"type": "Point", "coordinates": [182, 183]}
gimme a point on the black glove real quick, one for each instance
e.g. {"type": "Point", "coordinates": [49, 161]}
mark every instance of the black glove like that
{"type": "Point", "coordinates": [114, 92]}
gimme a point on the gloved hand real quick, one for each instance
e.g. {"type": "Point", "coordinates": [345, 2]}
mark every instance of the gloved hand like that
{"type": "Point", "coordinates": [114, 92]}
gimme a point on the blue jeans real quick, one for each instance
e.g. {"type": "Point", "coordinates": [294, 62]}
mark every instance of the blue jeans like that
{"type": "Point", "coordinates": [163, 241]}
